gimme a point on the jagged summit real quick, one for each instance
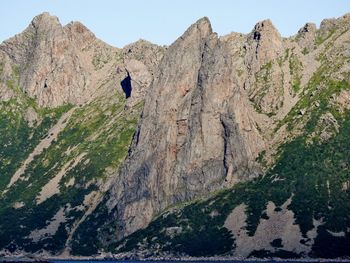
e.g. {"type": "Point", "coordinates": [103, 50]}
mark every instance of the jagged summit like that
{"type": "Point", "coordinates": [306, 37]}
{"type": "Point", "coordinates": [264, 44]}
{"type": "Point", "coordinates": [264, 27]}
{"type": "Point", "coordinates": [201, 28]}
{"type": "Point", "coordinates": [111, 146]}
{"type": "Point", "coordinates": [45, 19]}
{"type": "Point", "coordinates": [61, 64]}
{"type": "Point", "coordinates": [49, 26]}
{"type": "Point", "coordinates": [307, 28]}
{"type": "Point", "coordinates": [78, 27]}
{"type": "Point", "coordinates": [204, 21]}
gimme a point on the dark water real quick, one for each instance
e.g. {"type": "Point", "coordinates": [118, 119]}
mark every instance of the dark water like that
{"type": "Point", "coordinates": [166, 261]}
{"type": "Point", "coordinates": [178, 261]}
{"type": "Point", "coordinates": [182, 261]}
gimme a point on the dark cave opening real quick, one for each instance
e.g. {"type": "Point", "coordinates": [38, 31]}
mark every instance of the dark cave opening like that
{"type": "Point", "coordinates": [126, 86]}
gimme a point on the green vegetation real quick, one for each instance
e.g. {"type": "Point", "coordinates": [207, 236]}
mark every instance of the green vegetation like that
{"type": "Point", "coordinates": [18, 139]}
{"type": "Point", "coordinates": [315, 98]}
{"type": "Point", "coordinates": [100, 223]}
{"type": "Point", "coordinates": [321, 38]}
{"type": "Point", "coordinates": [100, 60]}
{"type": "Point", "coordinates": [305, 51]}
{"type": "Point", "coordinates": [314, 176]}
{"type": "Point", "coordinates": [98, 133]}
{"type": "Point", "coordinates": [263, 85]}
{"type": "Point", "coordinates": [101, 131]}
{"type": "Point", "coordinates": [295, 67]}
{"type": "Point", "coordinates": [1, 67]}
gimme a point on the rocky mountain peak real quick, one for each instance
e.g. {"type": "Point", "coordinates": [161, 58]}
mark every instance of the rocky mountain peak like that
{"type": "Point", "coordinates": [265, 30]}
{"type": "Point", "coordinates": [328, 24]}
{"type": "Point", "coordinates": [201, 28]}
{"type": "Point", "coordinates": [45, 20]}
{"type": "Point", "coordinates": [265, 44]}
{"type": "Point", "coordinates": [79, 33]}
{"type": "Point", "coordinates": [307, 28]}
{"type": "Point", "coordinates": [306, 36]}
{"type": "Point", "coordinates": [204, 24]}
{"type": "Point", "coordinates": [331, 24]}
{"type": "Point", "coordinates": [78, 28]}
{"type": "Point", "coordinates": [264, 27]}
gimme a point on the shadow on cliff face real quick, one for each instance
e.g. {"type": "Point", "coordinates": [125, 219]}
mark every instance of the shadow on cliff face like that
{"type": "Point", "coordinates": [126, 86]}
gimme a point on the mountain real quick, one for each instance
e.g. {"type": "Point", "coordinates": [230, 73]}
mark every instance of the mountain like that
{"type": "Point", "coordinates": [231, 146]}
{"type": "Point", "coordinates": [69, 108]}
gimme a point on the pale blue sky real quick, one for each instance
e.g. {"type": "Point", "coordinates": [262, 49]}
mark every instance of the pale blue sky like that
{"type": "Point", "coordinates": [162, 21]}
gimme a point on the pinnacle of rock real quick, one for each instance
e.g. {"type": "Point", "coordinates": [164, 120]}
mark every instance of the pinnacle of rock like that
{"type": "Point", "coordinates": [204, 24]}
{"type": "Point", "coordinates": [45, 20]}
{"type": "Point", "coordinates": [80, 33]}
{"type": "Point", "coordinates": [307, 28]}
{"type": "Point", "coordinates": [266, 43]}
{"type": "Point", "coordinates": [78, 27]}
{"type": "Point", "coordinates": [306, 36]}
{"type": "Point", "coordinates": [265, 28]}
{"type": "Point", "coordinates": [202, 28]}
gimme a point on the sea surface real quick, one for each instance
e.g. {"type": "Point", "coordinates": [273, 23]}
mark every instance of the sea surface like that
{"type": "Point", "coordinates": [169, 261]}
{"type": "Point", "coordinates": [196, 261]}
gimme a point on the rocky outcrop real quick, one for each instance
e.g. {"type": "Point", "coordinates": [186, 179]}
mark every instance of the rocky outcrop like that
{"type": "Point", "coordinates": [214, 105]}
{"type": "Point", "coordinates": [58, 64]}
{"type": "Point", "coordinates": [265, 44]}
{"type": "Point", "coordinates": [265, 77]}
{"type": "Point", "coordinates": [197, 132]}
{"type": "Point", "coordinates": [48, 57]}
{"type": "Point", "coordinates": [306, 37]}
{"type": "Point", "coordinates": [141, 61]}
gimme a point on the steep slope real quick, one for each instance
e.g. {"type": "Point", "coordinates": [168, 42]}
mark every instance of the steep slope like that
{"type": "Point", "coordinates": [211, 110]}
{"type": "Point", "coordinates": [299, 207]}
{"type": "Point", "coordinates": [197, 132]}
{"type": "Point", "coordinates": [235, 145]}
{"type": "Point", "coordinates": [66, 126]}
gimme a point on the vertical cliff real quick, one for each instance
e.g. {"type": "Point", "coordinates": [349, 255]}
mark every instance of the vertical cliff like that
{"type": "Point", "coordinates": [283, 106]}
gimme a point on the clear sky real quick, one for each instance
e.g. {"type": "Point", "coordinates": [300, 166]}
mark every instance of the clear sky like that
{"type": "Point", "coordinates": [119, 22]}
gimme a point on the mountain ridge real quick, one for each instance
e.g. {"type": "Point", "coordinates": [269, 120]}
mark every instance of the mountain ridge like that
{"type": "Point", "coordinates": [151, 127]}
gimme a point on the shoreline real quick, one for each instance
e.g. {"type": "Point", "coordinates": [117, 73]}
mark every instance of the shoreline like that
{"type": "Point", "coordinates": [133, 258]}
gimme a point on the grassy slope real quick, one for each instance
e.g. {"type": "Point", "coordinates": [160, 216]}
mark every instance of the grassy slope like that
{"type": "Point", "coordinates": [102, 130]}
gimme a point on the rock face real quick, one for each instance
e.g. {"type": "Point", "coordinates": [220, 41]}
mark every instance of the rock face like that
{"type": "Point", "coordinates": [242, 105]}
{"type": "Point", "coordinates": [306, 37]}
{"type": "Point", "coordinates": [215, 105]}
{"type": "Point", "coordinates": [59, 64]}
{"type": "Point", "coordinates": [265, 44]}
{"type": "Point", "coordinates": [142, 59]}
{"type": "Point", "coordinates": [113, 137]}
{"type": "Point", "coordinates": [197, 133]}
{"type": "Point", "coordinates": [51, 69]}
